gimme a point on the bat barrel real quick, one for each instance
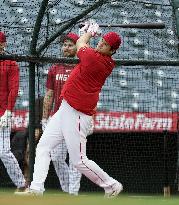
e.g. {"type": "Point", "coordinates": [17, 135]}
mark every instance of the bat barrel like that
{"type": "Point", "coordinates": [132, 25]}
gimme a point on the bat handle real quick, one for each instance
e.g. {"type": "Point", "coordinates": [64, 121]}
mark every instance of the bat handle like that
{"type": "Point", "coordinates": [100, 25]}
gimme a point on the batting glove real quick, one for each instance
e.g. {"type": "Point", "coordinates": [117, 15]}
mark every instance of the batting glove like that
{"type": "Point", "coordinates": [94, 28]}
{"type": "Point", "coordinates": [84, 28]}
{"type": "Point", "coordinates": [5, 120]}
{"type": "Point", "coordinates": [44, 123]}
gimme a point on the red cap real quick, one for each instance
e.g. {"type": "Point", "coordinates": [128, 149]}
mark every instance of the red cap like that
{"type": "Point", "coordinates": [2, 37]}
{"type": "Point", "coordinates": [113, 39]}
{"type": "Point", "coordinates": [74, 37]}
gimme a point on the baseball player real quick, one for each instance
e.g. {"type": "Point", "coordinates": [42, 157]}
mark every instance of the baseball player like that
{"type": "Point", "coordinates": [80, 95]}
{"type": "Point", "coordinates": [69, 176]}
{"type": "Point", "coordinates": [9, 85]}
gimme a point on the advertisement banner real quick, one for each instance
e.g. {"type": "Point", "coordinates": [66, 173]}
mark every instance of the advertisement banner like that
{"type": "Point", "coordinates": [20, 119]}
{"type": "Point", "coordinates": [135, 122]}
{"type": "Point", "coordinates": [117, 121]}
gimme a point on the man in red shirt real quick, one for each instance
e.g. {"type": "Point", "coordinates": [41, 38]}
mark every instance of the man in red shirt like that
{"type": "Point", "coordinates": [80, 96]}
{"type": "Point", "coordinates": [69, 176]}
{"type": "Point", "coordinates": [9, 85]}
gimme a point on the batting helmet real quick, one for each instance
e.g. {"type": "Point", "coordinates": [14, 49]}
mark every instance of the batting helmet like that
{"type": "Point", "coordinates": [113, 39]}
{"type": "Point", "coordinates": [2, 37]}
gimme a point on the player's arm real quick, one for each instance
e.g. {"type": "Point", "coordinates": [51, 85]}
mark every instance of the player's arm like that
{"type": "Point", "coordinates": [13, 85]}
{"type": "Point", "coordinates": [48, 98]}
{"type": "Point", "coordinates": [47, 104]}
{"type": "Point", "coordinates": [83, 41]}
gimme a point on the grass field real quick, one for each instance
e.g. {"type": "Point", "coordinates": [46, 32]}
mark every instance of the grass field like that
{"type": "Point", "coordinates": [59, 198]}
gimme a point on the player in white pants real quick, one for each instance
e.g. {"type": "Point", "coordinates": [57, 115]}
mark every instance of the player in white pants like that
{"type": "Point", "coordinates": [9, 85]}
{"type": "Point", "coordinates": [71, 122]}
{"type": "Point", "coordinates": [9, 160]}
{"type": "Point", "coordinates": [69, 176]}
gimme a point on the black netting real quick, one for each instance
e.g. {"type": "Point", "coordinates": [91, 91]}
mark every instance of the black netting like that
{"type": "Point", "coordinates": [136, 128]}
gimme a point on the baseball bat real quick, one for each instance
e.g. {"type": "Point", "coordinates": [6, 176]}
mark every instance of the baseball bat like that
{"type": "Point", "coordinates": [132, 25]}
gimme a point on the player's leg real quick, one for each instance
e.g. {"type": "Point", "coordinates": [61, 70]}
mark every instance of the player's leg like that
{"type": "Point", "coordinates": [75, 129]}
{"type": "Point", "coordinates": [69, 176]}
{"type": "Point", "coordinates": [58, 156]}
{"type": "Point", "coordinates": [9, 160]}
{"type": "Point", "coordinates": [74, 179]}
{"type": "Point", "coordinates": [48, 141]}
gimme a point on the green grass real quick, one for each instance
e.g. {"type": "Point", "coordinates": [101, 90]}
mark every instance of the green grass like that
{"type": "Point", "coordinates": [59, 198]}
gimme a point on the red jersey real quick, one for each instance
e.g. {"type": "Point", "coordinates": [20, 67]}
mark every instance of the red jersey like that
{"type": "Point", "coordinates": [9, 85]}
{"type": "Point", "coordinates": [56, 78]}
{"type": "Point", "coordinates": [82, 88]}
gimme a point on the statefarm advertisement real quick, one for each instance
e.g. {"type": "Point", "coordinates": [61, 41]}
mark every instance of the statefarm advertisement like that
{"type": "Point", "coordinates": [117, 121]}
{"type": "Point", "coordinates": [135, 122]}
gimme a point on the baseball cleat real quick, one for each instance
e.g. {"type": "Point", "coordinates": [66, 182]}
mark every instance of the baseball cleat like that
{"type": "Point", "coordinates": [116, 189]}
{"type": "Point", "coordinates": [20, 190]}
{"type": "Point", "coordinates": [29, 192]}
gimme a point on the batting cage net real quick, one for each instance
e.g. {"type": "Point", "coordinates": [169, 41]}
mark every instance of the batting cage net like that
{"type": "Point", "coordinates": [135, 136]}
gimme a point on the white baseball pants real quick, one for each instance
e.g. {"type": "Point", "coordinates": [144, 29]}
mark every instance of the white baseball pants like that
{"type": "Point", "coordinates": [69, 176]}
{"type": "Point", "coordinates": [73, 126]}
{"type": "Point", "coordinates": [9, 160]}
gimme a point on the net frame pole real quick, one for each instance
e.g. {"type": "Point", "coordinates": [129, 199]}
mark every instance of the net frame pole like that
{"type": "Point", "coordinates": [31, 119]}
{"type": "Point", "coordinates": [32, 65]}
{"type": "Point", "coordinates": [166, 188]}
{"type": "Point", "coordinates": [119, 62]}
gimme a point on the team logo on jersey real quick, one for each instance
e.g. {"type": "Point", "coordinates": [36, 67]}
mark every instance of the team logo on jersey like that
{"type": "Point", "coordinates": [62, 77]}
{"type": "Point", "coordinates": [67, 71]}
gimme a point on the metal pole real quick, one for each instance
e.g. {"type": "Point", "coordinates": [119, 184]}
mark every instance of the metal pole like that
{"type": "Point", "coordinates": [31, 119]}
{"type": "Point", "coordinates": [33, 52]}
{"type": "Point", "coordinates": [166, 189]}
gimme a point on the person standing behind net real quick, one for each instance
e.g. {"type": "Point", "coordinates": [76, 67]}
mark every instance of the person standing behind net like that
{"type": "Point", "coordinates": [9, 85]}
{"type": "Point", "coordinates": [69, 176]}
{"type": "Point", "coordinates": [80, 96]}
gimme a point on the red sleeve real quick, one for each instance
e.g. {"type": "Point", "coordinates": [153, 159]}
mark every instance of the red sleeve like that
{"type": "Point", "coordinates": [50, 79]}
{"type": "Point", "coordinates": [13, 84]}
